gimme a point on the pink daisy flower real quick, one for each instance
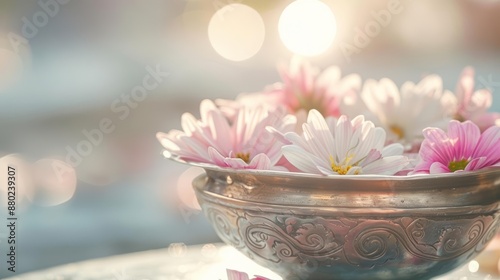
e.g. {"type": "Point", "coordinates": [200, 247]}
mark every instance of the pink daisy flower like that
{"type": "Point", "coordinates": [303, 88]}
{"type": "Point", "coordinates": [462, 148]}
{"type": "Point", "coordinates": [240, 144]}
{"type": "Point", "coordinates": [473, 105]}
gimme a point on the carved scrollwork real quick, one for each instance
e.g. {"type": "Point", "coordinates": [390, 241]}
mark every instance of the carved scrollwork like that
{"type": "Point", "coordinates": [372, 243]}
{"type": "Point", "coordinates": [224, 225]}
{"type": "Point", "coordinates": [357, 242]}
{"type": "Point", "coordinates": [443, 239]}
{"type": "Point", "coordinates": [489, 235]}
{"type": "Point", "coordinates": [291, 239]}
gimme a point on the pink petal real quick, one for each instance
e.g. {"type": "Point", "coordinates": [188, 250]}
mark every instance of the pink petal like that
{"type": "Point", "coordinates": [220, 130]}
{"type": "Point", "coordinates": [465, 86]}
{"type": "Point", "coordinates": [166, 142]}
{"type": "Point", "coordinates": [476, 164]}
{"type": "Point", "coordinates": [438, 167]}
{"type": "Point", "coordinates": [197, 148]}
{"type": "Point", "coordinates": [206, 106]}
{"type": "Point", "coordinates": [189, 123]}
{"type": "Point", "coordinates": [261, 162]}
{"type": "Point", "coordinates": [422, 167]}
{"type": "Point", "coordinates": [489, 145]}
{"type": "Point", "coordinates": [466, 135]}
{"type": "Point", "coordinates": [260, 278]}
{"type": "Point", "coordinates": [216, 157]}
{"type": "Point", "coordinates": [236, 163]}
{"type": "Point", "coordinates": [436, 145]}
{"type": "Point", "coordinates": [236, 275]}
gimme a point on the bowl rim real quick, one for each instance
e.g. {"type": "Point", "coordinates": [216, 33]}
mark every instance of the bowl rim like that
{"type": "Point", "coordinates": [370, 177]}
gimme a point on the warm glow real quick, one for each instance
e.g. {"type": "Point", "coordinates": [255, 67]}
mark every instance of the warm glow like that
{"type": "Point", "coordinates": [185, 189]}
{"type": "Point", "coordinates": [436, 31]}
{"type": "Point", "coordinates": [307, 27]}
{"type": "Point", "coordinates": [236, 32]}
{"type": "Point", "coordinates": [473, 266]}
{"type": "Point", "coordinates": [55, 182]}
{"type": "Point", "coordinates": [11, 68]}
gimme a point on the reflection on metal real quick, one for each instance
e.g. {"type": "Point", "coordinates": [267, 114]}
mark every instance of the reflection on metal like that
{"type": "Point", "coordinates": [374, 227]}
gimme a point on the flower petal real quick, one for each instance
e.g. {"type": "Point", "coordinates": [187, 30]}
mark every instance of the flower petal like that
{"type": "Point", "coordinates": [318, 128]}
{"type": "Point", "coordinates": [394, 149]}
{"type": "Point", "coordinates": [386, 166]}
{"type": "Point", "coordinates": [465, 136]}
{"type": "Point", "coordinates": [261, 162]}
{"type": "Point", "coordinates": [438, 167]}
{"type": "Point", "coordinates": [489, 145]}
{"type": "Point", "coordinates": [300, 159]}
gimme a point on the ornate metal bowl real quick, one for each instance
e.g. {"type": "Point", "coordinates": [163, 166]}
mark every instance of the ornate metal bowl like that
{"type": "Point", "coordinates": [353, 227]}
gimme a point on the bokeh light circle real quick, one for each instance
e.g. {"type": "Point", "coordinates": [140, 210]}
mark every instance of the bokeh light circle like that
{"type": "Point", "coordinates": [236, 32]}
{"type": "Point", "coordinates": [307, 27]}
{"type": "Point", "coordinates": [54, 182]}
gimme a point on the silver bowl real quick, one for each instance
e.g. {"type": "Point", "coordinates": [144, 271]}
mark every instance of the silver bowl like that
{"type": "Point", "coordinates": [353, 227]}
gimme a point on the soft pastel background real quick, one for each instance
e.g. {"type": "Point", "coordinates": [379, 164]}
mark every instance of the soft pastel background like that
{"type": "Point", "coordinates": [66, 78]}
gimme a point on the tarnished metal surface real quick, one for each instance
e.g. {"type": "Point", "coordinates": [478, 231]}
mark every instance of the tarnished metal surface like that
{"type": "Point", "coordinates": [348, 227]}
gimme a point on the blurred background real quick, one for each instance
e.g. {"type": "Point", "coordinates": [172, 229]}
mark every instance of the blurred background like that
{"type": "Point", "coordinates": [91, 82]}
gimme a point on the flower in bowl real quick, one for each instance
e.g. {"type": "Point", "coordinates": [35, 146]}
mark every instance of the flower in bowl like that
{"type": "Point", "coordinates": [386, 193]}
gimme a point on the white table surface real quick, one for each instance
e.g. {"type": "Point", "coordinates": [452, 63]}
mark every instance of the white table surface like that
{"type": "Point", "coordinates": [206, 262]}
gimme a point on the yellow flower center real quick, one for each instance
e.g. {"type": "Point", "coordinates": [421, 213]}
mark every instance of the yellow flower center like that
{"type": "Point", "coordinates": [244, 156]}
{"type": "Point", "coordinates": [458, 165]}
{"type": "Point", "coordinates": [309, 103]}
{"type": "Point", "coordinates": [398, 131]}
{"type": "Point", "coordinates": [343, 168]}
{"type": "Point", "coordinates": [459, 118]}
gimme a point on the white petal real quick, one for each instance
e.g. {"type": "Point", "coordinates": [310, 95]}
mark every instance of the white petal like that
{"type": "Point", "coordinates": [386, 166]}
{"type": "Point", "coordinates": [395, 149]}
{"type": "Point", "coordinates": [321, 131]}
{"type": "Point", "coordinates": [300, 159]}
{"type": "Point", "coordinates": [343, 133]}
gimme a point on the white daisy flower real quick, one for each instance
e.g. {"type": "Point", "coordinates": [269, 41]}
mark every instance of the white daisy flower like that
{"type": "Point", "coordinates": [406, 112]}
{"type": "Point", "coordinates": [342, 147]}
